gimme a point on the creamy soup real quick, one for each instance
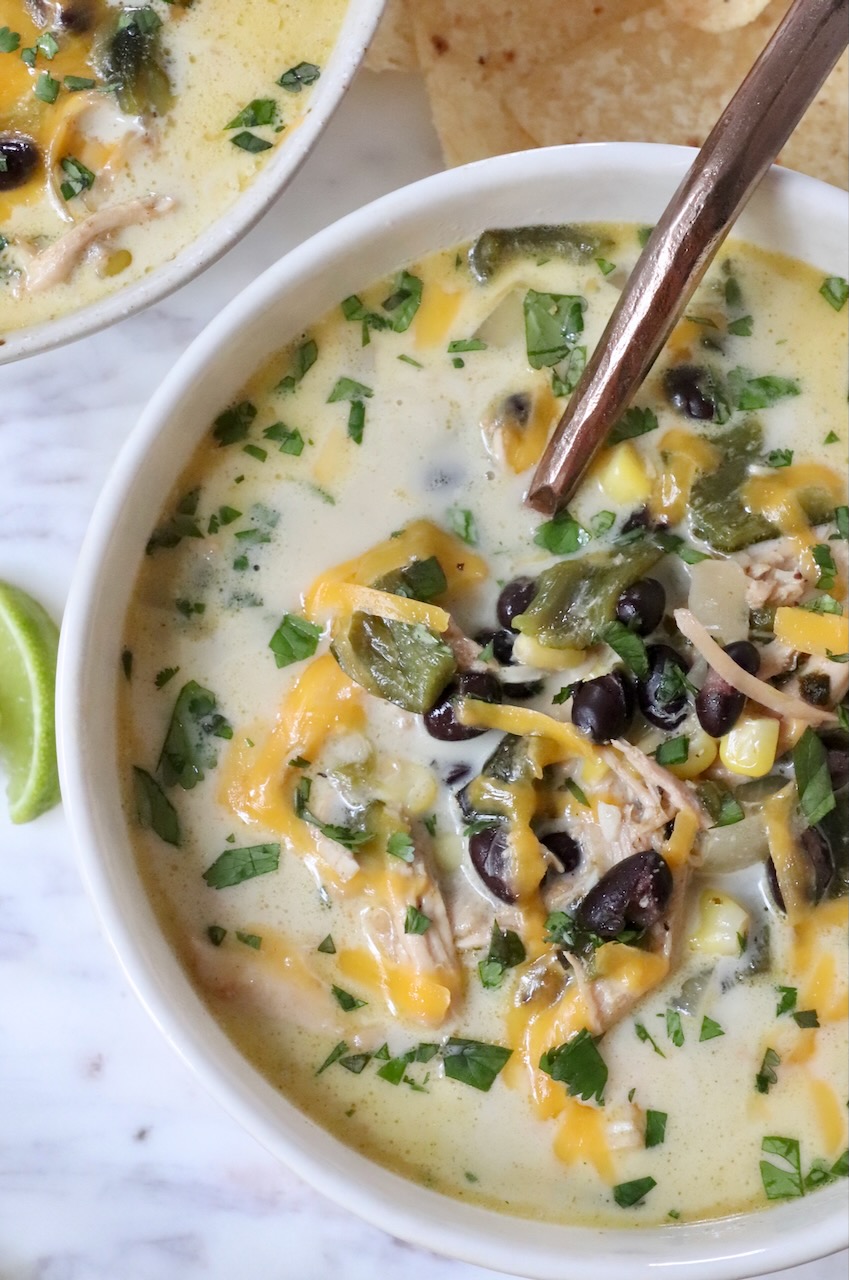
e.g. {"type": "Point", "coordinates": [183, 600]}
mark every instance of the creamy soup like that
{"type": "Point", "coordinates": [514, 850]}
{"type": "Point", "coordinates": [126, 130]}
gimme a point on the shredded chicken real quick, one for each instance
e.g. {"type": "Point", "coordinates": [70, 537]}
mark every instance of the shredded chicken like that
{"type": "Point", "coordinates": [777, 574]}
{"type": "Point", "coordinates": [54, 265]}
{"type": "Point", "coordinates": [465, 650]}
{"type": "Point", "coordinates": [431, 954]}
{"type": "Point", "coordinates": [773, 572]}
{"type": "Point", "coordinates": [775, 700]}
{"type": "Point", "coordinates": [276, 979]}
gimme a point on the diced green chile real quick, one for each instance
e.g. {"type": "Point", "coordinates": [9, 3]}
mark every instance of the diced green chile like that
{"type": "Point", "coordinates": [404, 663]}
{"type": "Point", "coordinates": [130, 59]}
{"type": "Point", "coordinates": [576, 599]}
{"type": "Point", "coordinates": [494, 249]}
{"type": "Point", "coordinates": [718, 513]}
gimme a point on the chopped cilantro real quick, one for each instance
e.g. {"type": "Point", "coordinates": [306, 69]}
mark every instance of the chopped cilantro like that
{"type": "Point", "coordinates": [787, 997]}
{"type": "Point", "coordinates": [249, 142]}
{"type": "Point", "coordinates": [506, 950]}
{"type": "Point", "coordinates": [673, 751]}
{"type": "Point", "coordinates": [261, 111]}
{"type": "Point", "coordinates": [290, 441]}
{"type": "Point", "coordinates": [604, 266]}
{"type": "Point", "coordinates": [813, 780]}
{"type": "Point", "coordinates": [742, 328]}
{"type": "Point", "coordinates": [778, 458]}
{"type": "Point", "coordinates": [465, 344]}
{"type": "Point", "coordinates": [400, 845]}
{"type": "Point", "coordinates": [634, 422]}
{"type": "Point", "coordinates": [9, 40]}
{"type": "Point", "coordinates": [474, 1063]}
{"type": "Point", "coordinates": [250, 939]}
{"type": "Point", "coordinates": [553, 322]}
{"type": "Point", "coordinates": [579, 1065]}
{"type": "Point", "coordinates": [628, 646]}
{"type": "Point", "coordinates": [562, 535]}
{"type": "Point", "coordinates": [782, 1182]}
{"type": "Point", "coordinates": [46, 88]}
{"type": "Point", "coordinates": [674, 1027]}
{"type": "Point", "coordinates": [78, 179]}
{"type": "Point", "coordinates": [643, 1034]}
{"type": "Point", "coordinates": [710, 1030]}
{"type": "Point", "coordinates": [462, 522]}
{"type": "Point", "coordinates": [155, 811]}
{"type": "Point", "coordinates": [327, 946]}
{"type": "Point", "coordinates": [299, 77]}
{"type": "Point", "coordinates": [627, 1194]}
{"type": "Point", "coordinates": [824, 561]}
{"type": "Point", "coordinates": [655, 1128]}
{"type": "Point", "coordinates": [216, 934]}
{"type": "Point", "coordinates": [189, 749]}
{"type": "Point", "coordinates": [334, 1056]}
{"type": "Point", "coordinates": [835, 290]}
{"type": "Point", "coordinates": [234, 866]}
{"type": "Point", "coordinates": [806, 1018]}
{"type": "Point", "coordinates": [415, 921]}
{"type": "Point", "coordinates": [346, 1002]}
{"type": "Point", "coordinates": [767, 1077]}
{"type": "Point", "coordinates": [303, 360]}
{"type": "Point", "coordinates": [164, 676]}
{"type": "Point", "coordinates": [234, 423]}
{"type": "Point", "coordinates": [294, 640]}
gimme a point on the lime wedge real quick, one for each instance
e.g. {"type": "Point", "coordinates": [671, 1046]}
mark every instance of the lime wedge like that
{"type": "Point", "coordinates": [29, 640]}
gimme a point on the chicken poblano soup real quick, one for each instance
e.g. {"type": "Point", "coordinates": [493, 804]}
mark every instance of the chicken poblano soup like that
{"type": "Point", "coordinates": [126, 129]}
{"type": "Point", "coordinates": [514, 850]}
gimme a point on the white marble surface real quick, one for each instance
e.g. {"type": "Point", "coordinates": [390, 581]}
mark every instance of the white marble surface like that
{"type": "Point", "coordinates": [113, 1164]}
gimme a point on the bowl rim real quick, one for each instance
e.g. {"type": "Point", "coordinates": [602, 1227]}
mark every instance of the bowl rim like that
{"type": "Point", "coordinates": [359, 24]}
{"type": "Point", "coordinates": [729, 1249]}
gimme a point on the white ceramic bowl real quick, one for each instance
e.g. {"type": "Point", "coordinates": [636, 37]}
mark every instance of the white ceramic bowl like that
{"type": "Point", "coordinates": [357, 29]}
{"type": "Point", "coordinates": [610, 181]}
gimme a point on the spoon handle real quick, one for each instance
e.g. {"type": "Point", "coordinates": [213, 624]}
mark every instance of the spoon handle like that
{"type": "Point", "coordinates": [742, 145]}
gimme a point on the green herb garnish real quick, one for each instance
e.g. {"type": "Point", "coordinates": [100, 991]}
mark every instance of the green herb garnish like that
{"type": "Point", "coordinates": [234, 866]}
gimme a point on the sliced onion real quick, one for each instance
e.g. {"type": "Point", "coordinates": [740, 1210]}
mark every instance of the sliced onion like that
{"type": "Point", "coordinates": [735, 847]}
{"type": "Point", "coordinates": [718, 599]}
{"type": "Point", "coordinates": [783, 704]}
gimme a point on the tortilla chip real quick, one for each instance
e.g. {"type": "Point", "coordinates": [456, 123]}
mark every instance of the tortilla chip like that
{"type": "Point", "coordinates": [474, 52]}
{"type": "Point", "coordinates": [503, 75]}
{"type": "Point", "coordinates": [469, 115]}
{"type": "Point", "coordinates": [818, 145]}
{"type": "Point", "coordinates": [715, 15]}
{"type": "Point", "coordinates": [655, 81]}
{"type": "Point", "coordinates": [393, 47]}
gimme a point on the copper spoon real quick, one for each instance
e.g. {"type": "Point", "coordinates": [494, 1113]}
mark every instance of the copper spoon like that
{"type": "Point", "coordinates": [742, 145]}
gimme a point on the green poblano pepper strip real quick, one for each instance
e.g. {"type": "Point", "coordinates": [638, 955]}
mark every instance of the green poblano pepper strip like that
{"type": "Point", "coordinates": [577, 598]}
{"type": "Point", "coordinates": [719, 515]}
{"type": "Point", "coordinates": [131, 61]}
{"type": "Point", "coordinates": [402, 662]}
{"type": "Point", "coordinates": [494, 249]}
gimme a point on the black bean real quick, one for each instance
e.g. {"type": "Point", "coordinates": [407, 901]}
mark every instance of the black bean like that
{"type": "Point", "coordinates": [565, 849]}
{"type": "Point", "coordinates": [522, 690]}
{"type": "Point", "coordinates": [745, 654]}
{"type": "Point", "coordinates": [77, 17]}
{"type": "Point", "coordinates": [818, 854]}
{"type": "Point", "coordinates": [685, 389]}
{"type": "Point", "coordinates": [457, 773]}
{"type": "Point", "coordinates": [641, 606]}
{"type": "Point", "coordinates": [441, 720]}
{"type": "Point", "coordinates": [604, 708]}
{"type": "Point", "coordinates": [517, 408]}
{"type": "Point", "coordinates": [514, 599]}
{"type": "Point", "coordinates": [502, 645]}
{"type": "Point", "coordinates": [21, 156]}
{"type": "Point", "coordinates": [490, 856]}
{"type": "Point", "coordinates": [633, 894]}
{"type": "Point", "coordinates": [663, 697]}
{"type": "Point", "coordinates": [718, 704]}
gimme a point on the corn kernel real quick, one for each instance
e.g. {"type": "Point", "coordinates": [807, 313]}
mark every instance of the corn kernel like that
{"type": "Point", "coordinates": [529, 653]}
{"type": "Point", "coordinates": [623, 474]}
{"type": "Point", "coordinates": [720, 924]}
{"type": "Point", "coordinates": [750, 747]}
{"type": "Point", "coordinates": [701, 755]}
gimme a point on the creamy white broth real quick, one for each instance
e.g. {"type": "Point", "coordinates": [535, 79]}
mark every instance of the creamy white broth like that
{"type": "Point", "coordinates": [423, 456]}
{"type": "Point", "coordinates": [218, 60]}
